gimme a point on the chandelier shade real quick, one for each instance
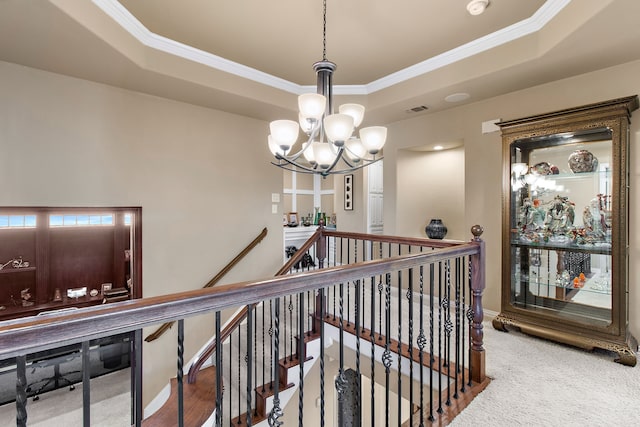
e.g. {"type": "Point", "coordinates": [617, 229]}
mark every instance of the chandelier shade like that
{"type": "Point", "coordinates": [331, 146]}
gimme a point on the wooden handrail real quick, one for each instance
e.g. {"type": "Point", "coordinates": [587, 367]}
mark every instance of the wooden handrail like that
{"type": "Point", "coordinates": [26, 335]}
{"type": "Point", "coordinates": [166, 326]}
{"type": "Point", "coordinates": [240, 316]}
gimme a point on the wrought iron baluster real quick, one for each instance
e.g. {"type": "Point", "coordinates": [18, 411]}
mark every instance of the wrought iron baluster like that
{"type": "Point", "coordinates": [399, 342]}
{"type": "Point", "coordinates": [440, 337]}
{"type": "Point", "coordinates": [21, 391]}
{"type": "Point", "coordinates": [448, 327]}
{"type": "Point", "coordinates": [230, 376]}
{"type": "Point", "coordinates": [249, 359]}
{"type": "Point", "coordinates": [180, 373]}
{"type": "Point", "coordinates": [290, 307]}
{"type": "Point", "coordinates": [470, 315]}
{"type": "Point", "coordinates": [219, 372]}
{"type": "Point", "coordinates": [341, 381]}
{"type": "Point", "coordinates": [457, 323]}
{"type": "Point", "coordinates": [432, 286]}
{"type": "Point", "coordinates": [301, 358]}
{"type": "Point", "coordinates": [357, 327]}
{"type": "Point", "coordinates": [271, 343]}
{"type": "Point", "coordinates": [373, 349]}
{"type": "Point", "coordinates": [322, 316]}
{"type": "Point", "coordinates": [276, 412]}
{"type": "Point", "coordinates": [410, 342]}
{"type": "Point", "coordinates": [386, 356]}
{"type": "Point", "coordinates": [239, 383]}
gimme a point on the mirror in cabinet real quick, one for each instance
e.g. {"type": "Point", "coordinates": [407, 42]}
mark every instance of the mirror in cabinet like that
{"type": "Point", "coordinates": [565, 228]}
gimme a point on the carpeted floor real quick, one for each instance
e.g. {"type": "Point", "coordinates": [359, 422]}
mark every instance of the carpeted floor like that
{"type": "Point", "coordinates": [540, 383]}
{"type": "Point", "coordinates": [110, 405]}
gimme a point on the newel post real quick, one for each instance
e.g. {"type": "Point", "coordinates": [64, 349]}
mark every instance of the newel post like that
{"type": "Point", "coordinates": [477, 288]}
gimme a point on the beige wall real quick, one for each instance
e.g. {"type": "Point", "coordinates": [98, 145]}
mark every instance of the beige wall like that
{"type": "Point", "coordinates": [430, 185]}
{"type": "Point", "coordinates": [483, 157]}
{"type": "Point", "coordinates": [70, 142]}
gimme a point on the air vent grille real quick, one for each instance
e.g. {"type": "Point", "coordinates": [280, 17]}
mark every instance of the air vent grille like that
{"type": "Point", "coordinates": [417, 109]}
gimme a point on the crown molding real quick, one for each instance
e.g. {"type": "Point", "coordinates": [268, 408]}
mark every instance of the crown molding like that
{"type": "Point", "coordinates": [133, 26]}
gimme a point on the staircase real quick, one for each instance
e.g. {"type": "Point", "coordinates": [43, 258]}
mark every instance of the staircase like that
{"type": "Point", "coordinates": [415, 342]}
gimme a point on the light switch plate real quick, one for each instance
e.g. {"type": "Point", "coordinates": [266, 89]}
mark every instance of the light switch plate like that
{"type": "Point", "coordinates": [275, 198]}
{"type": "Point", "coordinates": [274, 208]}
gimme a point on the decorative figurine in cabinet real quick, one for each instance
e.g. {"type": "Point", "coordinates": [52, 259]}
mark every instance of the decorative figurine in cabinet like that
{"type": "Point", "coordinates": [565, 228]}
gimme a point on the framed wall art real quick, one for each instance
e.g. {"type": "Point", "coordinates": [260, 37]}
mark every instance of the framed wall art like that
{"type": "Point", "coordinates": [348, 192]}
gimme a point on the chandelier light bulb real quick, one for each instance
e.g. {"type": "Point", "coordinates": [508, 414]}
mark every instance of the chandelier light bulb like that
{"type": "Point", "coordinates": [307, 151]}
{"type": "Point", "coordinates": [355, 149]}
{"type": "Point", "coordinates": [307, 125]}
{"type": "Point", "coordinates": [284, 132]}
{"type": "Point", "coordinates": [323, 154]}
{"type": "Point", "coordinates": [338, 128]}
{"type": "Point", "coordinates": [274, 148]}
{"type": "Point", "coordinates": [312, 105]}
{"type": "Point", "coordinates": [354, 110]}
{"type": "Point", "coordinates": [373, 138]}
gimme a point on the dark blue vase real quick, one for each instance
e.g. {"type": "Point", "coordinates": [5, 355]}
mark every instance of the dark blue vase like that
{"type": "Point", "coordinates": [436, 229]}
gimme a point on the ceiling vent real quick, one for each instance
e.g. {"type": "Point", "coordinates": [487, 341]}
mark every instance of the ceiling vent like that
{"type": "Point", "coordinates": [417, 109]}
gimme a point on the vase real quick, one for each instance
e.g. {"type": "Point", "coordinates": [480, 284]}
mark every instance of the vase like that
{"type": "Point", "coordinates": [581, 161]}
{"type": "Point", "coordinates": [436, 229]}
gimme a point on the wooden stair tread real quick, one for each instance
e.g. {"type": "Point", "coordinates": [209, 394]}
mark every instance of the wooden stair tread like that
{"type": "Point", "coordinates": [199, 402]}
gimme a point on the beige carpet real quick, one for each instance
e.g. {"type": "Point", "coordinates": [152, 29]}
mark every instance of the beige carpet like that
{"type": "Point", "coordinates": [110, 405]}
{"type": "Point", "coordinates": [540, 383]}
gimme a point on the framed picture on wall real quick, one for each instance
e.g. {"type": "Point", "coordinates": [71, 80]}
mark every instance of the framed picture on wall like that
{"type": "Point", "coordinates": [348, 192]}
{"type": "Point", "coordinates": [293, 217]}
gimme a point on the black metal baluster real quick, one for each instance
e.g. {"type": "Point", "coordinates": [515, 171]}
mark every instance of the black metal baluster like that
{"type": "Point", "coordinates": [373, 349]}
{"type": "Point", "coordinates": [239, 379]}
{"type": "Point", "coordinates": [290, 307]}
{"type": "Point", "coordinates": [380, 287]}
{"type": "Point", "coordinates": [309, 323]}
{"type": "Point", "coordinates": [230, 377]}
{"type": "Point", "coordinates": [255, 354]}
{"type": "Point", "coordinates": [410, 341]}
{"type": "Point", "coordinates": [21, 391]}
{"type": "Point", "coordinates": [341, 381]}
{"type": "Point", "coordinates": [357, 326]}
{"type": "Point", "coordinates": [448, 327]}
{"type": "Point", "coordinates": [386, 356]}
{"type": "Point", "coordinates": [421, 343]}
{"type": "Point", "coordinates": [180, 373]}
{"type": "Point", "coordinates": [301, 359]}
{"type": "Point", "coordinates": [349, 287]}
{"type": "Point", "coordinates": [276, 412]}
{"type": "Point", "coordinates": [137, 378]}
{"type": "Point", "coordinates": [219, 372]}
{"type": "Point", "coordinates": [264, 360]}
{"type": "Point", "coordinates": [431, 332]}
{"type": "Point", "coordinates": [363, 291]}
{"type": "Point", "coordinates": [86, 385]}
{"type": "Point", "coordinates": [271, 344]}
{"type": "Point", "coordinates": [322, 316]}
{"type": "Point", "coordinates": [399, 343]}
{"type": "Point", "coordinates": [457, 324]}
{"type": "Point", "coordinates": [440, 337]}
{"type": "Point", "coordinates": [249, 360]}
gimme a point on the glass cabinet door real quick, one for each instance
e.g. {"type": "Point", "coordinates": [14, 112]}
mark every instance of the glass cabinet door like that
{"type": "Point", "coordinates": [561, 226]}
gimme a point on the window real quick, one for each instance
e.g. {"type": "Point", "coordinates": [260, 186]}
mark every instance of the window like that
{"type": "Point", "coordinates": [17, 221]}
{"type": "Point", "coordinates": [82, 220]}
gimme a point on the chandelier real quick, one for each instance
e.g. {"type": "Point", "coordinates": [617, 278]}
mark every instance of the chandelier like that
{"type": "Point", "coordinates": [331, 146]}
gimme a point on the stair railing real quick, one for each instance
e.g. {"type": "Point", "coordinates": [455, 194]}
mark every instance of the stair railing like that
{"type": "Point", "coordinates": [446, 277]}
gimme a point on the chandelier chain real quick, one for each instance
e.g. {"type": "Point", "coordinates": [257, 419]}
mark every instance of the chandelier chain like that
{"type": "Point", "coordinates": [324, 30]}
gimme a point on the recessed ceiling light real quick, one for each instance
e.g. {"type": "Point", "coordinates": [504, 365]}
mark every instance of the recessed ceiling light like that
{"type": "Point", "coordinates": [476, 7]}
{"type": "Point", "coordinates": [438, 147]}
{"type": "Point", "coordinates": [457, 97]}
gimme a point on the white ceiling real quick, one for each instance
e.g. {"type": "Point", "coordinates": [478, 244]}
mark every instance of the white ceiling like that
{"type": "Point", "coordinates": [253, 57]}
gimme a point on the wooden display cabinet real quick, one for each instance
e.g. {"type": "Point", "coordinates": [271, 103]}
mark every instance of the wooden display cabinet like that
{"type": "Point", "coordinates": [565, 229]}
{"type": "Point", "coordinates": [46, 253]}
